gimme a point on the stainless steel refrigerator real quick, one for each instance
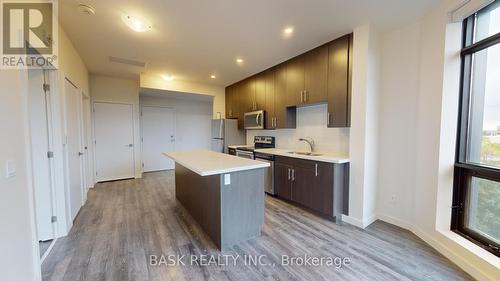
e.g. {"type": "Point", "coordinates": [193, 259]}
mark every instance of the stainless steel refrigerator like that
{"type": "Point", "coordinates": [224, 133]}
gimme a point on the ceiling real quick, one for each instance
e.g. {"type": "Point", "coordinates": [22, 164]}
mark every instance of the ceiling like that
{"type": "Point", "coordinates": [192, 39]}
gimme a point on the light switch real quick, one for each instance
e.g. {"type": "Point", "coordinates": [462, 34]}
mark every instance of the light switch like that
{"type": "Point", "coordinates": [227, 179]}
{"type": "Point", "coordinates": [10, 169]}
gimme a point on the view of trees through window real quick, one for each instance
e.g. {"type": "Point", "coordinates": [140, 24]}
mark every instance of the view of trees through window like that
{"type": "Point", "coordinates": [484, 208]}
{"type": "Point", "coordinates": [480, 157]}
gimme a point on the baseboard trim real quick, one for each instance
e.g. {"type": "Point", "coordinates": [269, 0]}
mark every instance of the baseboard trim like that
{"type": "Point", "coordinates": [48, 250]}
{"type": "Point", "coordinates": [357, 222]}
{"type": "Point", "coordinates": [394, 221]}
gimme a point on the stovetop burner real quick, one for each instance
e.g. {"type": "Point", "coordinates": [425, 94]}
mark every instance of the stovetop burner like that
{"type": "Point", "coordinates": [259, 142]}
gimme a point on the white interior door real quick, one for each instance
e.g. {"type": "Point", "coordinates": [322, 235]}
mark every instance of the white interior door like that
{"type": "Point", "coordinates": [74, 149]}
{"type": "Point", "coordinates": [114, 141]}
{"type": "Point", "coordinates": [158, 132]}
{"type": "Point", "coordinates": [39, 130]}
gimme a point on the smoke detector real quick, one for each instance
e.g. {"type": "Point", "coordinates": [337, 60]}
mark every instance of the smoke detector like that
{"type": "Point", "coordinates": [86, 9]}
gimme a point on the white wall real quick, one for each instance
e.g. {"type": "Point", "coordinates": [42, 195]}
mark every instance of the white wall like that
{"type": "Point", "coordinates": [18, 244]}
{"type": "Point", "coordinates": [364, 127]}
{"type": "Point", "coordinates": [72, 66]}
{"type": "Point", "coordinates": [193, 120]}
{"type": "Point", "coordinates": [398, 120]}
{"type": "Point", "coordinates": [218, 92]}
{"type": "Point", "coordinates": [118, 90]}
{"type": "Point", "coordinates": [418, 119]}
{"type": "Point", "coordinates": [311, 122]}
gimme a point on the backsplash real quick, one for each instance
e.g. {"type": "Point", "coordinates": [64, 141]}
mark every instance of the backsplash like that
{"type": "Point", "coordinates": [311, 122]}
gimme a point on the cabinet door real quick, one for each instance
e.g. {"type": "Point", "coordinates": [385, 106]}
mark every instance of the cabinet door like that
{"type": "Point", "coordinates": [321, 189]}
{"type": "Point", "coordinates": [301, 185]}
{"type": "Point", "coordinates": [294, 81]}
{"type": "Point", "coordinates": [285, 117]}
{"type": "Point", "coordinates": [282, 180]}
{"type": "Point", "coordinates": [229, 101]}
{"type": "Point", "coordinates": [260, 91]}
{"type": "Point", "coordinates": [338, 83]}
{"type": "Point", "coordinates": [239, 103]}
{"type": "Point", "coordinates": [247, 95]}
{"type": "Point", "coordinates": [269, 108]}
{"type": "Point", "coordinates": [316, 75]}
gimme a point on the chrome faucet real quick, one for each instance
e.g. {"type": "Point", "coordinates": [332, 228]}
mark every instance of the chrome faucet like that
{"type": "Point", "coordinates": [310, 141]}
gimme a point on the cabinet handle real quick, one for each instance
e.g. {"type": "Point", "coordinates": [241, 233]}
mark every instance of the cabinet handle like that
{"type": "Point", "coordinates": [275, 122]}
{"type": "Point", "coordinates": [316, 169]}
{"type": "Point", "coordinates": [289, 173]}
{"type": "Point", "coordinates": [293, 174]}
{"type": "Point", "coordinates": [305, 95]}
{"type": "Point", "coordinates": [328, 118]}
{"type": "Point", "coordinates": [301, 96]}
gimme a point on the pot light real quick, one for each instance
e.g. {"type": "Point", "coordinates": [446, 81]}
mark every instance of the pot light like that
{"type": "Point", "coordinates": [136, 24]}
{"type": "Point", "coordinates": [213, 76]}
{"type": "Point", "coordinates": [168, 77]}
{"type": "Point", "coordinates": [239, 60]}
{"type": "Point", "coordinates": [287, 32]}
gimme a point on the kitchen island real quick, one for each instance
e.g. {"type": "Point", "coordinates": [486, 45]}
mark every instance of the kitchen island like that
{"type": "Point", "coordinates": [223, 193]}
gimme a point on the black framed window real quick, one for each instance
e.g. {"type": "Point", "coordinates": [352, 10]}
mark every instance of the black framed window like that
{"type": "Point", "coordinates": [476, 198]}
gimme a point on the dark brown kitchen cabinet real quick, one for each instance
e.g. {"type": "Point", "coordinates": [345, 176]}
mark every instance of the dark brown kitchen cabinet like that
{"type": "Point", "coordinates": [231, 102]}
{"type": "Point", "coordinates": [316, 75]}
{"type": "Point", "coordinates": [339, 82]}
{"type": "Point", "coordinates": [247, 95]}
{"type": "Point", "coordinates": [316, 185]}
{"type": "Point", "coordinates": [285, 116]}
{"type": "Point", "coordinates": [307, 77]}
{"type": "Point", "coordinates": [283, 180]}
{"type": "Point", "coordinates": [259, 99]}
{"type": "Point", "coordinates": [270, 99]}
{"type": "Point", "coordinates": [295, 81]}
{"type": "Point", "coordinates": [322, 75]}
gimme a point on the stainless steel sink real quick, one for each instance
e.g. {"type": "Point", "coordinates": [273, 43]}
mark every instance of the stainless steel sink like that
{"type": "Point", "coordinates": [305, 153]}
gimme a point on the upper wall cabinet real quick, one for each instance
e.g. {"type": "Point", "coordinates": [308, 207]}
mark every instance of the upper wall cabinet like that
{"type": "Point", "coordinates": [322, 75]}
{"type": "Point", "coordinates": [339, 82]}
{"type": "Point", "coordinates": [316, 75]}
{"type": "Point", "coordinates": [307, 77]}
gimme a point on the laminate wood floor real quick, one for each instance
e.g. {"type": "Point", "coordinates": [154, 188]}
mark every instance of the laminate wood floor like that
{"type": "Point", "coordinates": [124, 223]}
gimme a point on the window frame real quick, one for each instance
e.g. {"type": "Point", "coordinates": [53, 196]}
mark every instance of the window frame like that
{"type": "Point", "coordinates": [463, 170]}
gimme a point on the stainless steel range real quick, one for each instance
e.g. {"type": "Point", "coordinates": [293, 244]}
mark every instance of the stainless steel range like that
{"type": "Point", "coordinates": [249, 152]}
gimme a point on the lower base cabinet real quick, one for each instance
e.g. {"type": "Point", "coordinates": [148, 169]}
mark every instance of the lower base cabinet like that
{"type": "Point", "coordinates": [319, 186]}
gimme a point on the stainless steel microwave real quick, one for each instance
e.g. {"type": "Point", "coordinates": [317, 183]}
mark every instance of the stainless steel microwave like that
{"type": "Point", "coordinates": [254, 120]}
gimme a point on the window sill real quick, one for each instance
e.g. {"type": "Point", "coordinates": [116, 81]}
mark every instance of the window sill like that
{"type": "Point", "coordinates": [471, 247]}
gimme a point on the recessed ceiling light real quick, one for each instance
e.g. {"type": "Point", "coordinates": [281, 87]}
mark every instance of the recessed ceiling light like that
{"type": "Point", "coordinates": [168, 77]}
{"type": "Point", "coordinates": [239, 60]}
{"type": "Point", "coordinates": [213, 76]}
{"type": "Point", "coordinates": [136, 24]}
{"type": "Point", "coordinates": [288, 31]}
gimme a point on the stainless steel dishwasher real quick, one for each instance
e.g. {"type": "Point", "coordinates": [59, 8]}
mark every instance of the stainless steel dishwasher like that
{"type": "Point", "coordinates": [269, 172]}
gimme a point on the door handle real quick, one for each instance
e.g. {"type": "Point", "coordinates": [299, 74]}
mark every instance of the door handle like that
{"type": "Point", "coordinates": [130, 145]}
{"type": "Point", "coordinates": [80, 153]}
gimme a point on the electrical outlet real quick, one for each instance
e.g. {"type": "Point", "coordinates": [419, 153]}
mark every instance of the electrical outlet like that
{"type": "Point", "coordinates": [10, 169]}
{"type": "Point", "coordinates": [227, 179]}
{"type": "Point", "coordinates": [393, 199]}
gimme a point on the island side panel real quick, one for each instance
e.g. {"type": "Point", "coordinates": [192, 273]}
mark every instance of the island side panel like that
{"type": "Point", "coordinates": [242, 208]}
{"type": "Point", "coordinates": [201, 197]}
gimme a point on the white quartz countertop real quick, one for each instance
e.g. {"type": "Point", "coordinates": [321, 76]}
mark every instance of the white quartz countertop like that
{"type": "Point", "coordinates": [207, 163]}
{"type": "Point", "coordinates": [324, 157]}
